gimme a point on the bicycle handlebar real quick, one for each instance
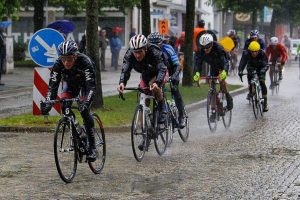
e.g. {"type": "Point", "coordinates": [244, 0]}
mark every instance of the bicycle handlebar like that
{"type": "Point", "coordinates": [209, 77]}
{"type": "Point", "coordinates": [61, 100]}
{"type": "Point", "coordinates": [142, 90]}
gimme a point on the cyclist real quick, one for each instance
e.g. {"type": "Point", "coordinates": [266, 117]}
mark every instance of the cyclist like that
{"type": "Point", "coordinates": [256, 60]}
{"type": "Point", "coordinates": [233, 53]}
{"type": "Point", "coordinates": [173, 69]}
{"type": "Point", "coordinates": [148, 60]}
{"type": "Point", "coordinates": [276, 52]}
{"type": "Point", "coordinates": [254, 36]}
{"type": "Point", "coordinates": [77, 72]}
{"type": "Point", "coordinates": [214, 54]}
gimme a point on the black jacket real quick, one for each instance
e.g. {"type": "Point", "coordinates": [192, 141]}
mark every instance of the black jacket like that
{"type": "Point", "coordinates": [151, 66]}
{"type": "Point", "coordinates": [259, 63]}
{"type": "Point", "coordinates": [217, 58]}
{"type": "Point", "coordinates": [81, 75]}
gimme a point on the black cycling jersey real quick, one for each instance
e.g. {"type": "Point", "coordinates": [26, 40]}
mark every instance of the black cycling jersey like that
{"type": "Point", "coordinates": [258, 63]}
{"type": "Point", "coordinates": [151, 66]}
{"type": "Point", "coordinates": [217, 58]}
{"type": "Point", "coordinates": [80, 76]}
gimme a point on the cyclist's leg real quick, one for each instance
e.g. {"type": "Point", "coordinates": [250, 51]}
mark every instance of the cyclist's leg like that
{"type": "Point", "coordinates": [280, 67]}
{"type": "Point", "coordinates": [89, 127]}
{"type": "Point", "coordinates": [249, 85]}
{"type": "Point", "coordinates": [228, 96]}
{"type": "Point", "coordinates": [179, 103]}
{"type": "Point", "coordinates": [67, 93]}
{"type": "Point", "coordinates": [264, 92]}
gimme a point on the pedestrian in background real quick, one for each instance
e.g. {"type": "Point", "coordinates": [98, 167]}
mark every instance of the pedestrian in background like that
{"type": "Point", "coordinates": [115, 48]}
{"type": "Point", "coordinates": [132, 33]}
{"type": "Point", "coordinates": [103, 42]}
{"type": "Point", "coordinates": [2, 54]}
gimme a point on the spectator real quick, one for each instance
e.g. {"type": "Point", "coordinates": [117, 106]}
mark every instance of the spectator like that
{"type": "Point", "coordinates": [115, 47]}
{"type": "Point", "coordinates": [2, 54]}
{"type": "Point", "coordinates": [181, 42]}
{"type": "Point", "coordinates": [82, 44]}
{"type": "Point", "coordinates": [103, 45]}
{"type": "Point", "coordinates": [197, 30]}
{"type": "Point", "coordinates": [287, 43]}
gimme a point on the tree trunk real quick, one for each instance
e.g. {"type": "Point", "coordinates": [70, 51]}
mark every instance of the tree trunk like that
{"type": "Point", "coordinates": [92, 42]}
{"type": "Point", "coordinates": [146, 23]}
{"type": "Point", "coordinates": [38, 16]}
{"type": "Point", "coordinates": [189, 34]}
{"type": "Point", "coordinates": [254, 20]}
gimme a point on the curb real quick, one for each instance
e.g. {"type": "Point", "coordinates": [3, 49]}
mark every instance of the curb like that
{"type": "Point", "coordinates": [115, 129]}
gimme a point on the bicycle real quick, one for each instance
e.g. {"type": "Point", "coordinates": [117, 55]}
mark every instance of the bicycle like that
{"type": "Point", "coordinates": [172, 112]}
{"type": "Point", "coordinates": [70, 140]}
{"type": "Point", "coordinates": [145, 125]}
{"type": "Point", "coordinates": [274, 74]}
{"type": "Point", "coordinates": [215, 105]}
{"type": "Point", "coordinates": [233, 69]}
{"type": "Point", "coordinates": [255, 94]}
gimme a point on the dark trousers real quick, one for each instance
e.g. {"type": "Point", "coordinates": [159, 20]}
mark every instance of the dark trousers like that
{"type": "Point", "coordinates": [114, 59]}
{"type": "Point", "coordinates": [102, 58]}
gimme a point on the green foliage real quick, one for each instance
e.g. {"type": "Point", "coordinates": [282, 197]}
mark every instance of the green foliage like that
{"type": "Point", "coordinates": [19, 51]}
{"type": "Point", "coordinates": [8, 8]}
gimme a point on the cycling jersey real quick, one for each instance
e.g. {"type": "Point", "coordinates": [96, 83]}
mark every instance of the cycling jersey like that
{"type": "Point", "coordinates": [258, 63]}
{"type": "Point", "coordinates": [276, 54]}
{"type": "Point", "coordinates": [152, 65]}
{"type": "Point", "coordinates": [80, 76]}
{"type": "Point", "coordinates": [171, 57]}
{"type": "Point", "coordinates": [217, 58]}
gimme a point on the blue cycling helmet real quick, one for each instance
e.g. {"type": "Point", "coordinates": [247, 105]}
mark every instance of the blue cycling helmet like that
{"type": "Point", "coordinates": [254, 34]}
{"type": "Point", "coordinates": [155, 38]}
{"type": "Point", "coordinates": [67, 48]}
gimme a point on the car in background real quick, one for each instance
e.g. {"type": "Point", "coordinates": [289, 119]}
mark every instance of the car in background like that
{"type": "Point", "coordinates": [294, 46]}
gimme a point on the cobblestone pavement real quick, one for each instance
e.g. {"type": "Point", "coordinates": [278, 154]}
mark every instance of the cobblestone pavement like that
{"type": "Point", "coordinates": [252, 160]}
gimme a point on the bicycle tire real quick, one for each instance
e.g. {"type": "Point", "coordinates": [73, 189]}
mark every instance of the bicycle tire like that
{"type": "Point", "coordinates": [211, 100]}
{"type": "Point", "coordinates": [138, 133]}
{"type": "Point", "coordinates": [100, 144]}
{"type": "Point", "coordinates": [172, 127]}
{"type": "Point", "coordinates": [161, 134]}
{"type": "Point", "coordinates": [227, 113]}
{"type": "Point", "coordinates": [184, 133]}
{"type": "Point", "coordinates": [64, 143]}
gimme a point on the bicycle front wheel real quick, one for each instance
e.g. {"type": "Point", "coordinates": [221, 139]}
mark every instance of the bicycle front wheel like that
{"type": "Point", "coordinates": [212, 114]}
{"type": "Point", "coordinates": [226, 118]}
{"type": "Point", "coordinates": [65, 151]}
{"type": "Point", "coordinates": [138, 134]}
{"type": "Point", "coordinates": [98, 165]}
{"type": "Point", "coordinates": [161, 132]}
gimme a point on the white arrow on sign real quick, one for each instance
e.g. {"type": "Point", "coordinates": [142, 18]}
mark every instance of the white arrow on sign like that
{"type": "Point", "coordinates": [50, 51]}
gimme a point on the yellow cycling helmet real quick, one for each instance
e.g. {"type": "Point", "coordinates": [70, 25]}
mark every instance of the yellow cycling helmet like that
{"type": "Point", "coordinates": [254, 46]}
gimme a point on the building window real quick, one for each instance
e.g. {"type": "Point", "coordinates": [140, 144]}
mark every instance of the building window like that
{"type": "Point", "coordinates": [174, 19]}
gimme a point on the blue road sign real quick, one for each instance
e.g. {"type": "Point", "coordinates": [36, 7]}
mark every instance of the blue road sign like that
{"type": "Point", "coordinates": [42, 46]}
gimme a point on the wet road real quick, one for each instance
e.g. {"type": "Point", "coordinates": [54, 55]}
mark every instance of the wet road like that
{"type": "Point", "coordinates": [254, 159]}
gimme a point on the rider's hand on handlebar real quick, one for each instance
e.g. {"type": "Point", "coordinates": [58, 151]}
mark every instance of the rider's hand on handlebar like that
{"type": "Point", "coordinates": [121, 87]}
{"type": "Point", "coordinates": [197, 76]}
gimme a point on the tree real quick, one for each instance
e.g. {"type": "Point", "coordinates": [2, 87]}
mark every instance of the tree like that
{"type": "Point", "coordinates": [189, 30]}
{"type": "Point", "coordinates": [38, 16]}
{"type": "Point", "coordinates": [146, 27]}
{"type": "Point", "coordinates": [8, 8]}
{"type": "Point", "coordinates": [93, 47]}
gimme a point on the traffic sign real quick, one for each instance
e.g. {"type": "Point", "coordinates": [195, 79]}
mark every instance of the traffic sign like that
{"type": "Point", "coordinates": [163, 26]}
{"type": "Point", "coordinates": [42, 46]}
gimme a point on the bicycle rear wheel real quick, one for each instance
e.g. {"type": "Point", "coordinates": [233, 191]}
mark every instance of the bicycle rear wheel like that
{"type": "Point", "coordinates": [184, 133]}
{"type": "Point", "coordinates": [212, 114]}
{"type": "Point", "coordinates": [161, 135]}
{"type": "Point", "coordinates": [100, 144]}
{"type": "Point", "coordinates": [65, 151]}
{"type": "Point", "coordinates": [138, 134]}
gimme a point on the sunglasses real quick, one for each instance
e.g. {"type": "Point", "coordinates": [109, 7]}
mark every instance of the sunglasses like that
{"type": "Point", "coordinates": [207, 46]}
{"type": "Point", "coordinates": [67, 58]}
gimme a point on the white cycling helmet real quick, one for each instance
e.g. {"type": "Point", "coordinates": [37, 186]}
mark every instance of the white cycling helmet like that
{"type": "Point", "coordinates": [138, 42]}
{"type": "Point", "coordinates": [274, 40]}
{"type": "Point", "coordinates": [206, 39]}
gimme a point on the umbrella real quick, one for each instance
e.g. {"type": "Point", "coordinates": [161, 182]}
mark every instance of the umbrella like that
{"type": "Point", "coordinates": [5, 24]}
{"type": "Point", "coordinates": [63, 26]}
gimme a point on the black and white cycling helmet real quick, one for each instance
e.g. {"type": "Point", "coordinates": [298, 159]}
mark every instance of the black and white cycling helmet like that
{"type": "Point", "coordinates": [206, 39]}
{"type": "Point", "coordinates": [231, 32]}
{"type": "Point", "coordinates": [155, 38]}
{"type": "Point", "coordinates": [254, 34]}
{"type": "Point", "coordinates": [66, 48]}
{"type": "Point", "coordinates": [137, 42]}
{"type": "Point", "coordinates": [274, 40]}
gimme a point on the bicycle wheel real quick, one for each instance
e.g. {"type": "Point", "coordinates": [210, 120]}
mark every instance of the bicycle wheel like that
{"type": "Point", "coordinates": [100, 144]}
{"type": "Point", "coordinates": [172, 128]}
{"type": "Point", "coordinates": [184, 133]}
{"type": "Point", "coordinates": [161, 135]}
{"type": "Point", "coordinates": [138, 134]}
{"type": "Point", "coordinates": [260, 103]}
{"type": "Point", "coordinates": [276, 81]}
{"type": "Point", "coordinates": [65, 151]}
{"type": "Point", "coordinates": [212, 114]}
{"type": "Point", "coordinates": [226, 118]}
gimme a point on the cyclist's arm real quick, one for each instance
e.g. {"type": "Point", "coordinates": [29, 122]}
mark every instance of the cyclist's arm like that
{"type": "Point", "coordinates": [172, 57]}
{"type": "Point", "coordinates": [55, 78]}
{"type": "Point", "coordinates": [283, 53]}
{"type": "Point", "coordinates": [243, 62]}
{"type": "Point", "coordinates": [126, 68]}
{"type": "Point", "coordinates": [265, 65]}
{"type": "Point", "coordinates": [199, 60]}
{"type": "Point", "coordinates": [90, 81]}
{"type": "Point", "coordinates": [158, 61]}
